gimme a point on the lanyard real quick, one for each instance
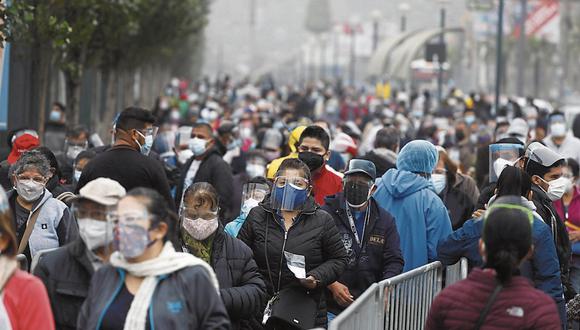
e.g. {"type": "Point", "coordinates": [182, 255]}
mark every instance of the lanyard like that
{"type": "Point", "coordinates": [353, 226]}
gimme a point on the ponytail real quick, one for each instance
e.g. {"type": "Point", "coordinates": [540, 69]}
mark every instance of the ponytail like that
{"type": "Point", "coordinates": [505, 262]}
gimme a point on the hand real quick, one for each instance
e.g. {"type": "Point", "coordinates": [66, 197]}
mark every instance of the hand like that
{"type": "Point", "coordinates": [310, 282]}
{"type": "Point", "coordinates": [574, 236]}
{"type": "Point", "coordinates": [478, 213]}
{"type": "Point", "coordinates": [341, 294]}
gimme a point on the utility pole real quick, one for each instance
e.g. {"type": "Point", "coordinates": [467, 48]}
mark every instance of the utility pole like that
{"type": "Point", "coordinates": [522, 40]}
{"type": "Point", "coordinates": [565, 27]}
{"type": "Point", "coordinates": [499, 57]}
{"type": "Point", "coordinates": [441, 60]}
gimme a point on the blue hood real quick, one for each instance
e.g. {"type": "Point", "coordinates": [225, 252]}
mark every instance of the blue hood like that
{"type": "Point", "coordinates": [402, 183]}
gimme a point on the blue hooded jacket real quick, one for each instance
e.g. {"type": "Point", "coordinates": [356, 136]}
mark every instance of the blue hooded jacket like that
{"type": "Point", "coordinates": [420, 215]}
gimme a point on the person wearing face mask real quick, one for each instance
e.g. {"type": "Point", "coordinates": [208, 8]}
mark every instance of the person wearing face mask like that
{"type": "Point", "coordinates": [76, 142]}
{"type": "Point", "coordinates": [55, 128]}
{"type": "Point", "coordinates": [42, 222]}
{"type": "Point", "coordinates": [369, 235]}
{"type": "Point", "coordinates": [128, 161]}
{"type": "Point", "coordinates": [568, 208]}
{"type": "Point", "coordinates": [543, 267]}
{"type": "Point", "coordinates": [560, 139]}
{"type": "Point", "coordinates": [24, 303]}
{"type": "Point", "coordinates": [292, 146]}
{"type": "Point", "coordinates": [496, 296]}
{"type": "Point", "coordinates": [73, 265]}
{"type": "Point", "coordinates": [255, 167]}
{"type": "Point", "coordinates": [147, 283]}
{"type": "Point", "coordinates": [206, 165]}
{"type": "Point", "coordinates": [459, 205]}
{"type": "Point", "coordinates": [201, 233]}
{"type": "Point", "coordinates": [19, 140]}
{"type": "Point", "coordinates": [252, 194]}
{"type": "Point", "coordinates": [313, 148]}
{"type": "Point", "coordinates": [289, 229]}
{"type": "Point", "coordinates": [228, 142]}
{"type": "Point", "coordinates": [407, 193]}
{"type": "Point", "coordinates": [79, 164]}
{"type": "Point", "coordinates": [545, 167]}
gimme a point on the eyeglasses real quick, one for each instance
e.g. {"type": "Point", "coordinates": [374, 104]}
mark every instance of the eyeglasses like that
{"type": "Point", "coordinates": [83, 212]}
{"type": "Point", "coordinates": [296, 182]}
{"type": "Point", "coordinates": [36, 179]}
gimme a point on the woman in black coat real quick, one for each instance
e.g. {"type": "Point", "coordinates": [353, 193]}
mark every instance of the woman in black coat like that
{"type": "Point", "coordinates": [289, 224]}
{"type": "Point", "coordinates": [241, 286]}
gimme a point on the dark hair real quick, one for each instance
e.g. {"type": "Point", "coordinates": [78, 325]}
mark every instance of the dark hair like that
{"type": "Point", "coordinates": [534, 168]}
{"type": "Point", "coordinates": [202, 193]}
{"type": "Point", "coordinates": [294, 164]}
{"type": "Point", "coordinates": [573, 165]}
{"type": "Point", "coordinates": [261, 180]}
{"type": "Point", "coordinates": [316, 132]}
{"type": "Point", "coordinates": [85, 154]}
{"type": "Point", "coordinates": [7, 231]}
{"type": "Point", "coordinates": [59, 105]}
{"type": "Point", "coordinates": [77, 131]}
{"type": "Point", "coordinates": [387, 137]}
{"type": "Point", "coordinates": [450, 166]}
{"type": "Point", "coordinates": [134, 118]}
{"type": "Point", "coordinates": [201, 124]}
{"type": "Point", "coordinates": [157, 206]}
{"type": "Point", "coordinates": [513, 182]}
{"type": "Point", "coordinates": [507, 234]}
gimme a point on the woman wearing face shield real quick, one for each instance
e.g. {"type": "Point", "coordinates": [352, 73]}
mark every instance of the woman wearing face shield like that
{"type": "Point", "coordinates": [297, 248]}
{"type": "Point", "coordinates": [42, 222]}
{"type": "Point", "coordinates": [201, 234]}
{"type": "Point", "coordinates": [148, 284]}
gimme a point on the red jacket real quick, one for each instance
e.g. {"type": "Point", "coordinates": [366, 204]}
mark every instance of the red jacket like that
{"type": "Point", "coordinates": [517, 306]}
{"type": "Point", "coordinates": [327, 182]}
{"type": "Point", "coordinates": [27, 303]}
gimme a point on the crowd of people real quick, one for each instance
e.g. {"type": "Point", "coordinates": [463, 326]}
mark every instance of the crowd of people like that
{"type": "Point", "coordinates": [232, 205]}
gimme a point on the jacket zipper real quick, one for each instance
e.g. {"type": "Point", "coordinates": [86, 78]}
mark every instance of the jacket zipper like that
{"type": "Point", "coordinates": [117, 290]}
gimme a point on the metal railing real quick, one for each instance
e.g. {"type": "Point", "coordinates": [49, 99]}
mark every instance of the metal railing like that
{"type": "Point", "coordinates": [456, 272]}
{"type": "Point", "coordinates": [400, 302]}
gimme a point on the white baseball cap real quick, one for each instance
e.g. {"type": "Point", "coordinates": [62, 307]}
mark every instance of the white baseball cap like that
{"type": "Point", "coordinates": [103, 191]}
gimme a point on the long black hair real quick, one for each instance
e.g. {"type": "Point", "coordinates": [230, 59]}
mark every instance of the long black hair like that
{"type": "Point", "coordinates": [507, 234]}
{"type": "Point", "coordinates": [513, 182]}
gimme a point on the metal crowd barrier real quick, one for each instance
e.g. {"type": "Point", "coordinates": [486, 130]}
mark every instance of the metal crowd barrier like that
{"type": "Point", "coordinates": [401, 302]}
{"type": "Point", "coordinates": [456, 272]}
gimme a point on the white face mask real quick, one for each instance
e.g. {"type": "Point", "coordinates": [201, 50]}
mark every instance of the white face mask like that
{"type": "Point", "coordinates": [95, 233]}
{"type": "Point", "coordinates": [558, 129]}
{"type": "Point", "coordinates": [439, 182]}
{"type": "Point", "coordinates": [184, 156]}
{"type": "Point", "coordinates": [29, 190]}
{"type": "Point", "coordinates": [254, 170]}
{"type": "Point", "coordinates": [197, 146]}
{"type": "Point", "coordinates": [500, 164]}
{"type": "Point", "coordinates": [556, 188]}
{"type": "Point", "coordinates": [73, 151]}
{"type": "Point", "coordinates": [200, 229]}
{"type": "Point", "coordinates": [249, 204]}
{"type": "Point", "coordinates": [77, 175]}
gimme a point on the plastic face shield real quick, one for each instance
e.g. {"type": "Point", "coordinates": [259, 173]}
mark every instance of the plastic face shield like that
{"type": "Point", "coordinates": [502, 155]}
{"type": "Point", "coordinates": [255, 191]}
{"type": "Point", "coordinates": [289, 193]}
{"type": "Point", "coordinates": [130, 224]}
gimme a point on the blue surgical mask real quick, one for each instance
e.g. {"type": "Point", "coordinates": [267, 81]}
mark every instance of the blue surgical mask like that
{"type": "Point", "coordinates": [234, 144]}
{"type": "Point", "coordinates": [54, 116]}
{"type": "Point", "coordinates": [197, 146]}
{"type": "Point", "coordinates": [289, 198]}
{"type": "Point", "coordinates": [145, 148]}
{"type": "Point", "coordinates": [469, 120]}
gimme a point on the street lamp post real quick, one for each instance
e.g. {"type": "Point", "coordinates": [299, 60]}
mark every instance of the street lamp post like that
{"type": "Point", "coordinates": [441, 60]}
{"type": "Point", "coordinates": [403, 9]}
{"type": "Point", "coordinates": [335, 52]}
{"type": "Point", "coordinates": [376, 17]}
{"type": "Point", "coordinates": [499, 57]}
{"type": "Point", "coordinates": [323, 40]}
{"type": "Point", "coordinates": [522, 48]}
{"type": "Point", "coordinates": [352, 65]}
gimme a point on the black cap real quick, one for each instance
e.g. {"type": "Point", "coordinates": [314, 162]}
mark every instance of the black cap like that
{"type": "Point", "coordinates": [362, 166]}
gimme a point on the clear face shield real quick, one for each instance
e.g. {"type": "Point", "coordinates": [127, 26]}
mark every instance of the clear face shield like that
{"type": "Point", "coordinates": [289, 193]}
{"type": "Point", "coordinates": [502, 155]}
{"type": "Point", "coordinates": [131, 232]}
{"type": "Point", "coordinates": [252, 195]}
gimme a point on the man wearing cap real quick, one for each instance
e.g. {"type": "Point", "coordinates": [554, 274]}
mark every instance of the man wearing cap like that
{"type": "Point", "coordinates": [561, 140]}
{"type": "Point", "coordinates": [548, 185]}
{"type": "Point", "coordinates": [67, 271]}
{"type": "Point", "coordinates": [369, 235]}
{"type": "Point", "coordinates": [408, 194]}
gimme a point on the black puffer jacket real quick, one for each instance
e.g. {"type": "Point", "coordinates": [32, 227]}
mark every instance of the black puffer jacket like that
{"type": "Point", "coordinates": [313, 235]}
{"type": "Point", "coordinates": [66, 272]}
{"type": "Point", "coordinates": [241, 286]}
{"type": "Point", "coordinates": [458, 204]}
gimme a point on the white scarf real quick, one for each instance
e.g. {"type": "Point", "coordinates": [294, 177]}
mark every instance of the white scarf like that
{"type": "Point", "coordinates": [7, 268]}
{"type": "Point", "coordinates": [167, 262]}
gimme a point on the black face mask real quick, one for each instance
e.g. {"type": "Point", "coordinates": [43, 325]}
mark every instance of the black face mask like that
{"type": "Point", "coordinates": [356, 193]}
{"type": "Point", "coordinates": [312, 160]}
{"type": "Point", "coordinates": [459, 136]}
